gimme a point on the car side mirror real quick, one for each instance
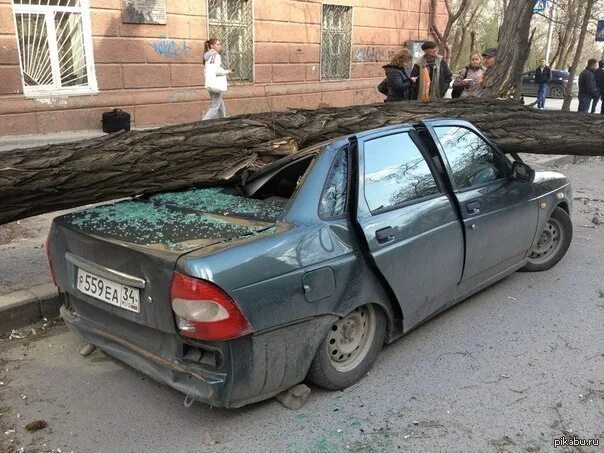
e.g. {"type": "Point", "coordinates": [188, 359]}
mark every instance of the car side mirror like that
{"type": "Point", "coordinates": [522, 172]}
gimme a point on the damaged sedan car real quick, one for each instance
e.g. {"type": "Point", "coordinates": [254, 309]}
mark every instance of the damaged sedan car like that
{"type": "Point", "coordinates": [234, 294]}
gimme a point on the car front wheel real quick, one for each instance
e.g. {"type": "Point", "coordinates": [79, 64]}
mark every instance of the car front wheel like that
{"type": "Point", "coordinates": [350, 348]}
{"type": "Point", "coordinates": [553, 242]}
{"type": "Point", "coordinates": [556, 92]}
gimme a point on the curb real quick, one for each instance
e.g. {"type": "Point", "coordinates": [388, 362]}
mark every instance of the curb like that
{"type": "Point", "coordinates": [21, 308]}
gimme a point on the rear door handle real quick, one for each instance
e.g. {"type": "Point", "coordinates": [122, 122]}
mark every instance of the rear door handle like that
{"type": "Point", "coordinates": [473, 207]}
{"type": "Point", "coordinates": [384, 235]}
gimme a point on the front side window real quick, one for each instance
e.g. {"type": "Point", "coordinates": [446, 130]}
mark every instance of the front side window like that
{"type": "Point", "coordinates": [472, 160]}
{"type": "Point", "coordinates": [333, 199]}
{"type": "Point", "coordinates": [336, 40]}
{"type": "Point", "coordinates": [55, 46]}
{"type": "Point", "coordinates": [396, 172]}
{"type": "Point", "coordinates": [232, 22]}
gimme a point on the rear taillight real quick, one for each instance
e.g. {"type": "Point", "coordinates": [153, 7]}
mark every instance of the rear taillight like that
{"type": "Point", "coordinates": [205, 312]}
{"type": "Point", "coordinates": [52, 272]}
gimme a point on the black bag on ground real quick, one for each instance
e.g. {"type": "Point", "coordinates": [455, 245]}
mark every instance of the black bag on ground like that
{"type": "Point", "coordinates": [115, 121]}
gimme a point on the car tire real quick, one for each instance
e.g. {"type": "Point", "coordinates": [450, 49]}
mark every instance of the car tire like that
{"type": "Point", "coordinates": [350, 348]}
{"type": "Point", "coordinates": [557, 92]}
{"type": "Point", "coordinates": [553, 243]}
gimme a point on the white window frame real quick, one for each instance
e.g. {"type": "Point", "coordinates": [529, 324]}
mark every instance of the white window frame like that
{"type": "Point", "coordinates": [56, 89]}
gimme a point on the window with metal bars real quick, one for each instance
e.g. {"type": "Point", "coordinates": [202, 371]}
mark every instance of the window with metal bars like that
{"type": "Point", "coordinates": [232, 22]}
{"type": "Point", "coordinates": [55, 46]}
{"type": "Point", "coordinates": [336, 42]}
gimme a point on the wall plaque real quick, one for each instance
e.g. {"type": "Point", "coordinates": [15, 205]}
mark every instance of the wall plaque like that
{"type": "Point", "coordinates": [144, 12]}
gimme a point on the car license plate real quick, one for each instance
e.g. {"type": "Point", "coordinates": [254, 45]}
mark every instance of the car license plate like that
{"type": "Point", "coordinates": [108, 291]}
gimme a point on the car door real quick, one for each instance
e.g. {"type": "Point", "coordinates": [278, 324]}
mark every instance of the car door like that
{"type": "Point", "coordinates": [409, 222]}
{"type": "Point", "coordinates": [499, 214]}
{"type": "Point", "coordinates": [529, 87]}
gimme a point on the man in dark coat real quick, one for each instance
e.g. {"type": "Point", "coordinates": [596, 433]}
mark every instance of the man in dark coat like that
{"type": "Point", "coordinates": [543, 77]}
{"type": "Point", "coordinates": [588, 89]}
{"type": "Point", "coordinates": [600, 83]}
{"type": "Point", "coordinates": [431, 74]}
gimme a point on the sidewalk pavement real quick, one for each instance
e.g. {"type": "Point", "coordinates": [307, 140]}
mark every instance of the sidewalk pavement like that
{"type": "Point", "coordinates": [27, 294]}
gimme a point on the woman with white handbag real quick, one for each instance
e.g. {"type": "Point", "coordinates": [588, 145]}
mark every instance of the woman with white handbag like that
{"type": "Point", "coordinates": [216, 80]}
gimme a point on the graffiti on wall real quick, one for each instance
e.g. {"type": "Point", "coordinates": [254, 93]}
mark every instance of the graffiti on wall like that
{"type": "Point", "coordinates": [371, 54]}
{"type": "Point", "coordinates": [169, 48]}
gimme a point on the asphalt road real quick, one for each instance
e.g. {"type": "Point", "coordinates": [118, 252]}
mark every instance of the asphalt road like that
{"type": "Point", "coordinates": [510, 369]}
{"type": "Point", "coordinates": [556, 104]}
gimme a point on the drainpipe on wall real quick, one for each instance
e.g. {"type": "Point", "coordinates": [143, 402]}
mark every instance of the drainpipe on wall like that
{"type": "Point", "coordinates": [435, 31]}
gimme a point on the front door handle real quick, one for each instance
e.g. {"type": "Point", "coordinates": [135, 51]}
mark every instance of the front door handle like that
{"type": "Point", "coordinates": [384, 235]}
{"type": "Point", "coordinates": [473, 207]}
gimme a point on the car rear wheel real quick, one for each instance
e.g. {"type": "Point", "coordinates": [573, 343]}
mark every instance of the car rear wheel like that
{"type": "Point", "coordinates": [556, 92]}
{"type": "Point", "coordinates": [350, 348]}
{"type": "Point", "coordinates": [553, 242]}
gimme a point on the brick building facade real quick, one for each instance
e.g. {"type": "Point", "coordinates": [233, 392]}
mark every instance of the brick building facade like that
{"type": "Point", "coordinates": [64, 62]}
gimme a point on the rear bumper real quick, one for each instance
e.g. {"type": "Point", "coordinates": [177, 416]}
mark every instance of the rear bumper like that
{"type": "Point", "coordinates": [253, 368]}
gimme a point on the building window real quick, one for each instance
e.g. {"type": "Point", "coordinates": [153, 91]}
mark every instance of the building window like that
{"type": "Point", "coordinates": [336, 41]}
{"type": "Point", "coordinates": [55, 46]}
{"type": "Point", "coordinates": [232, 22]}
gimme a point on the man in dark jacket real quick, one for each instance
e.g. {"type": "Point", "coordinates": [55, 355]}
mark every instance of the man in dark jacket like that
{"type": "Point", "coordinates": [431, 74]}
{"type": "Point", "coordinates": [600, 83]}
{"type": "Point", "coordinates": [588, 89]}
{"type": "Point", "coordinates": [543, 77]}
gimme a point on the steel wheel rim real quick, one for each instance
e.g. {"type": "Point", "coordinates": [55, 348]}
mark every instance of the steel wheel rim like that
{"type": "Point", "coordinates": [349, 339]}
{"type": "Point", "coordinates": [550, 241]}
{"type": "Point", "coordinates": [557, 92]}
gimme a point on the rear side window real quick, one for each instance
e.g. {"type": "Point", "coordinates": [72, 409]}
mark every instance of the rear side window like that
{"type": "Point", "coordinates": [473, 161]}
{"type": "Point", "coordinates": [333, 199]}
{"type": "Point", "coordinates": [395, 172]}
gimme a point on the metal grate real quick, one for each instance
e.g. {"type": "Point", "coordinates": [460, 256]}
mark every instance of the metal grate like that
{"type": "Point", "coordinates": [336, 41]}
{"type": "Point", "coordinates": [232, 22]}
{"type": "Point", "coordinates": [51, 41]}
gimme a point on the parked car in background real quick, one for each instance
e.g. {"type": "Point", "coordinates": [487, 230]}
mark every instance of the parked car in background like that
{"type": "Point", "coordinates": [233, 294]}
{"type": "Point", "coordinates": [557, 87]}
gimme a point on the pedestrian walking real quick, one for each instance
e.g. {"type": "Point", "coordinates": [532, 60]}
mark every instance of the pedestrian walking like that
{"type": "Point", "coordinates": [216, 80]}
{"type": "Point", "coordinates": [399, 86]}
{"type": "Point", "coordinates": [469, 77]}
{"type": "Point", "coordinates": [600, 84]}
{"type": "Point", "coordinates": [588, 89]}
{"type": "Point", "coordinates": [543, 77]}
{"type": "Point", "coordinates": [431, 75]}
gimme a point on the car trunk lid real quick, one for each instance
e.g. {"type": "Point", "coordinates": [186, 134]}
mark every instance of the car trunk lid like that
{"type": "Point", "coordinates": [134, 245]}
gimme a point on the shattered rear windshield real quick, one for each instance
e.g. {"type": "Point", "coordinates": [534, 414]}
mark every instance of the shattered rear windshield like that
{"type": "Point", "coordinates": [180, 220]}
{"type": "Point", "coordinates": [217, 200]}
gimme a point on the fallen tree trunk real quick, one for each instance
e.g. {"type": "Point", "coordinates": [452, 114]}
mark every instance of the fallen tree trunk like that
{"type": "Point", "coordinates": [45, 179]}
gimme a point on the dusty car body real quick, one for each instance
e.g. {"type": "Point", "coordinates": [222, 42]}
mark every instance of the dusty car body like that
{"type": "Point", "coordinates": [297, 260]}
{"type": "Point", "coordinates": [556, 88]}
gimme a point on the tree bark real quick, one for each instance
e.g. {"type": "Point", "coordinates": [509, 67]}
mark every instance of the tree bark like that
{"type": "Point", "coordinates": [49, 178]}
{"type": "Point", "coordinates": [452, 19]}
{"type": "Point", "coordinates": [504, 78]}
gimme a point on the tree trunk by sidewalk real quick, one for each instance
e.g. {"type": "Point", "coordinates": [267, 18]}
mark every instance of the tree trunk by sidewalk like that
{"type": "Point", "coordinates": [503, 79]}
{"type": "Point", "coordinates": [576, 60]}
{"type": "Point", "coordinates": [45, 179]}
